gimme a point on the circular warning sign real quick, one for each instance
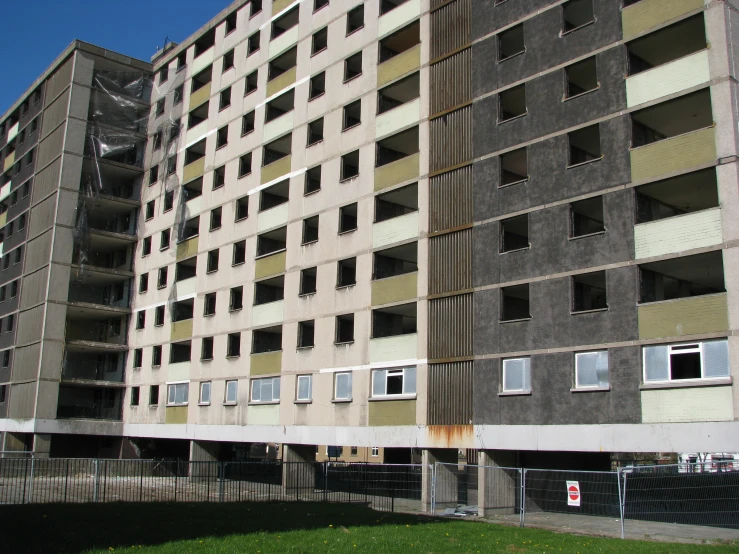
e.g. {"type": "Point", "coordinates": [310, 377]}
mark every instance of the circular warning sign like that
{"type": "Point", "coordinates": [573, 493]}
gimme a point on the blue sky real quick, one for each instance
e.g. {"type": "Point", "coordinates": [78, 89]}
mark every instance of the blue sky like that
{"type": "Point", "coordinates": [34, 32]}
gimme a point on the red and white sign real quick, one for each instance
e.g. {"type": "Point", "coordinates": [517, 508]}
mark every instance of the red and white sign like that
{"type": "Point", "coordinates": [573, 493]}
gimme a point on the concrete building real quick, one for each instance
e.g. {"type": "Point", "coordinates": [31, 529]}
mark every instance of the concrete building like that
{"type": "Point", "coordinates": [424, 226]}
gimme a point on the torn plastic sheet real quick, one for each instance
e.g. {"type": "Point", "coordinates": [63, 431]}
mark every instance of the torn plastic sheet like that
{"type": "Point", "coordinates": [128, 83]}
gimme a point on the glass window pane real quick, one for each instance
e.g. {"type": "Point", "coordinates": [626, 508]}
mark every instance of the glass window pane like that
{"type": "Point", "coordinates": [266, 390]}
{"type": "Point", "coordinates": [170, 394]}
{"type": "Point", "coordinates": [231, 391]}
{"type": "Point", "coordinates": [715, 359]}
{"type": "Point", "coordinates": [304, 387]}
{"type": "Point", "coordinates": [591, 369]}
{"type": "Point", "coordinates": [656, 367]}
{"type": "Point", "coordinates": [205, 393]}
{"type": "Point", "coordinates": [513, 374]}
{"type": "Point", "coordinates": [256, 390]}
{"type": "Point", "coordinates": [276, 389]}
{"type": "Point", "coordinates": [343, 385]}
{"type": "Point", "coordinates": [378, 382]}
{"type": "Point", "coordinates": [409, 383]}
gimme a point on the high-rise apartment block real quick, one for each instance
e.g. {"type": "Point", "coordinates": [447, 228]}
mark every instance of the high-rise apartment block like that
{"type": "Point", "coordinates": [400, 227]}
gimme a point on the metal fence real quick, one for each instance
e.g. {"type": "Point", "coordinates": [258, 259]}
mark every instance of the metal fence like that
{"type": "Point", "coordinates": [691, 494]}
{"type": "Point", "coordinates": [385, 487]}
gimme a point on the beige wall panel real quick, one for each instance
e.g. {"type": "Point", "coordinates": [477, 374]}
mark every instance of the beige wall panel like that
{"type": "Point", "coordinates": [398, 17]}
{"type": "Point", "coordinates": [270, 265]}
{"type": "Point", "coordinates": [394, 230]}
{"type": "Point", "coordinates": [678, 234]}
{"type": "Point", "coordinates": [176, 415]}
{"type": "Point", "coordinates": [283, 81]}
{"type": "Point", "coordinates": [268, 363]}
{"type": "Point", "coordinates": [181, 330]}
{"type": "Point", "coordinates": [395, 289]}
{"type": "Point", "coordinates": [284, 41]}
{"type": "Point", "coordinates": [275, 170]}
{"type": "Point", "coordinates": [402, 64]}
{"type": "Point", "coordinates": [683, 317]}
{"type": "Point", "coordinates": [392, 412]}
{"type": "Point", "coordinates": [263, 415]}
{"type": "Point", "coordinates": [279, 5]}
{"type": "Point", "coordinates": [203, 60]}
{"type": "Point", "coordinates": [397, 172]}
{"type": "Point", "coordinates": [274, 217]}
{"type": "Point", "coordinates": [200, 96]}
{"type": "Point", "coordinates": [194, 170]}
{"type": "Point", "coordinates": [687, 404]}
{"type": "Point", "coordinates": [388, 349]}
{"type": "Point", "coordinates": [187, 249]}
{"type": "Point", "coordinates": [267, 314]}
{"type": "Point", "coordinates": [673, 154]}
{"type": "Point", "coordinates": [646, 14]}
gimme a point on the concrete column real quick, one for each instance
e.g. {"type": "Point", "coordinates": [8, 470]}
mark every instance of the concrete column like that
{"type": "Point", "coordinates": [447, 478]}
{"type": "Point", "coordinates": [41, 446]}
{"type": "Point", "coordinates": [298, 470]}
{"type": "Point", "coordinates": [204, 458]}
{"type": "Point", "coordinates": [497, 488]}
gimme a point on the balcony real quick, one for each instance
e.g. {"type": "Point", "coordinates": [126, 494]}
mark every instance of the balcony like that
{"type": "Point", "coordinates": [399, 54]}
{"type": "Point", "coordinates": [283, 42]}
{"type": "Point", "coordinates": [395, 275]}
{"type": "Point", "coordinates": [106, 368]}
{"type": "Point", "coordinates": [85, 332]}
{"type": "Point", "coordinates": [89, 403]}
{"type": "Point", "coordinates": [647, 14]}
{"type": "Point", "coordinates": [268, 301]}
{"type": "Point", "coordinates": [396, 13]}
{"type": "Point", "coordinates": [397, 159]}
{"type": "Point", "coordinates": [266, 356]}
{"type": "Point", "coordinates": [282, 72]}
{"type": "Point", "coordinates": [202, 61]}
{"type": "Point", "coordinates": [394, 334]}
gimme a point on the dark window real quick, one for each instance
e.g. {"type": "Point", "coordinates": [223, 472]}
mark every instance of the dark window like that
{"type": "Point", "coordinates": [159, 316]}
{"type": "Point", "coordinates": [231, 23]}
{"type": "Point", "coordinates": [581, 77]}
{"type": "Point", "coordinates": [247, 123]}
{"type": "Point", "coordinates": [157, 140]}
{"type": "Point", "coordinates": [206, 349]}
{"type": "Point", "coordinates": [209, 304]}
{"type": "Point", "coordinates": [236, 300]}
{"type": "Point", "coordinates": [514, 233]}
{"type": "Point", "coordinates": [162, 277]}
{"type": "Point", "coordinates": [135, 396]}
{"type": "Point", "coordinates": [156, 355]}
{"type": "Point", "coordinates": [252, 44]}
{"type": "Point", "coordinates": [153, 395]}
{"type": "Point", "coordinates": [146, 246]}
{"type": "Point", "coordinates": [228, 61]}
{"type": "Point", "coordinates": [352, 115]}
{"type": "Point", "coordinates": [308, 280]}
{"type": "Point", "coordinates": [352, 66]}
{"type": "Point", "coordinates": [219, 177]}
{"type": "Point", "coordinates": [514, 167]}
{"type": "Point", "coordinates": [150, 210]}
{"type": "Point", "coordinates": [587, 217]}
{"type": "Point", "coordinates": [318, 4]}
{"type": "Point", "coordinates": [585, 145]}
{"type": "Point", "coordinates": [251, 82]}
{"type": "Point", "coordinates": [143, 282]}
{"type": "Point", "coordinates": [514, 303]}
{"type": "Point", "coordinates": [225, 99]}
{"type": "Point", "coordinates": [576, 14]}
{"type": "Point", "coordinates": [239, 252]}
{"type": "Point", "coordinates": [511, 42]}
{"type": "Point", "coordinates": [344, 328]}
{"type": "Point", "coordinates": [355, 19]}
{"type": "Point", "coordinates": [245, 165]}
{"type": "Point", "coordinates": [317, 86]}
{"type": "Point", "coordinates": [234, 345]}
{"type": "Point", "coordinates": [242, 208]}
{"type": "Point", "coordinates": [164, 239]}
{"type": "Point", "coordinates": [512, 103]}
{"type": "Point", "coordinates": [346, 272]}
{"type": "Point", "coordinates": [589, 292]}
{"type": "Point", "coordinates": [212, 264]}
{"type": "Point", "coordinates": [348, 218]}
{"type": "Point", "coordinates": [306, 334]}
{"type": "Point", "coordinates": [168, 200]}
{"type": "Point", "coordinates": [154, 174]}
{"type": "Point", "coordinates": [310, 230]}
{"type": "Point", "coordinates": [315, 131]}
{"type": "Point", "coordinates": [138, 357]}
{"type": "Point", "coordinates": [255, 7]}
{"type": "Point", "coordinates": [222, 137]}
{"type": "Point", "coordinates": [179, 93]}
{"type": "Point", "coordinates": [160, 107]}
{"type": "Point", "coordinates": [319, 41]}
{"type": "Point", "coordinates": [140, 319]}
{"type": "Point", "coordinates": [313, 180]}
{"type": "Point", "coordinates": [350, 165]}
{"type": "Point", "coordinates": [172, 165]}
{"type": "Point", "coordinates": [215, 219]}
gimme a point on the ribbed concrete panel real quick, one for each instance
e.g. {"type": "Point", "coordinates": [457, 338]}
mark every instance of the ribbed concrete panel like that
{"type": "Point", "coordinates": [51, 146]}
{"type": "Point", "coordinates": [392, 412]}
{"type": "Point", "coordinates": [450, 27]}
{"type": "Point", "coordinates": [670, 78]}
{"type": "Point", "coordinates": [55, 113]}
{"type": "Point", "coordinates": [647, 14]}
{"type": "Point", "coordinates": [450, 199]}
{"type": "Point", "coordinates": [22, 401]}
{"type": "Point", "coordinates": [451, 139]}
{"type": "Point", "coordinates": [450, 399]}
{"type": "Point", "coordinates": [451, 81]}
{"type": "Point", "coordinates": [58, 81]}
{"type": "Point", "coordinates": [30, 324]}
{"type": "Point", "coordinates": [25, 362]}
{"type": "Point", "coordinates": [42, 217]}
{"type": "Point", "coordinates": [46, 180]}
{"type": "Point", "coordinates": [38, 252]}
{"type": "Point", "coordinates": [673, 154]}
{"type": "Point", "coordinates": [450, 327]}
{"type": "Point", "coordinates": [450, 262]}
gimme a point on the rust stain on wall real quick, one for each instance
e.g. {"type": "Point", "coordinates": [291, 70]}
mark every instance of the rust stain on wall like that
{"type": "Point", "coordinates": [450, 436]}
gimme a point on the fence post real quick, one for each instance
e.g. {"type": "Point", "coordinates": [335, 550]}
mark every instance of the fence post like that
{"type": "Point", "coordinates": [30, 483]}
{"type": "Point", "coordinates": [432, 467]}
{"type": "Point", "coordinates": [622, 490]}
{"type": "Point", "coordinates": [522, 519]}
{"type": "Point", "coordinates": [66, 481]}
{"type": "Point", "coordinates": [141, 481]}
{"type": "Point", "coordinates": [96, 478]}
{"type": "Point", "coordinates": [221, 483]}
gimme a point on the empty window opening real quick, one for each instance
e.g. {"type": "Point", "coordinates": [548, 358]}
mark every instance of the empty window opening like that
{"type": "Point", "coordinates": [394, 321]}
{"type": "Point", "coordinates": [586, 217]}
{"type": "Point", "coordinates": [135, 394]}
{"type": "Point", "coordinates": [192, 189]}
{"type": "Point", "coordinates": [239, 253]}
{"type": "Point", "coordinates": [514, 167]}
{"type": "Point", "coordinates": [228, 61]}
{"type": "Point", "coordinates": [683, 277]}
{"type": "Point", "coordinates": [182, 310]}
{"type": "Point", "coordinates": [186, 269]}
{"type": "Point", "coordinates": [319, 41]}
{"type": "Point", "coordinates": [318, 4]}
{"type": "Point", "coordinates": [267, 340]}
{"type": "Point", "coordinates": [275, 195]}
{"type": "Point", "coordinates": [245, 165]}
{"type": "Point", "coordinates": [251, 82]}
{"type": "Point", "coordinates": [224, 99]}
{"type": "Point", "coordinates": [195, 152]}
{"type": "Point", "coordinates": [585, 145]}
{"type": "Point", "coordinates": [308, 280]}
{"type": "Point", "coordinates": [269, 290]}
{"type": "Point", "coordinates": [252, 43]}
{"type": "Point", "coordinates": [672, 118]}
{"type": "Point", "coordinates": [511, 43]}
{"type": "Point", "coordinates": [355, 19]}
{"type": "Point", "coordinates": [216, 217]}
{"type": "Point", "coordinates": [680, 195]}
{"type": "Point", "coordinates": [272, 242]}
{"type": "Point", "coordinates": [206, 348]}
{"type": "Point", "coordinates": [277, 149]}
{"type": "Point", "coordinates": [255, 7]}
{"type": "Point", "coordinates": [209, 304]}
{"type": "Point", "coordinates": [306, 334]}
{"type": "Point", "coordinates": [205, 42]}
{"type": "Point", "coordinates": [197, 116]}
{"type": "Point", "coordinates": [231, 23]}
{"type": "Point", "coordinates": [581, 77]}
{"type": "Point", "coordinates": [346, 274]}
{"type": "Point", "coordinates": [396, 203]}
{"type": "Point", "coordinates": [398, 93]}
{"type": "Point", "coordinates": [247, 123]}
{"type": "Point", "coordinates": [317, 86]}
{"type": "Point", "coordinates": [219, 177]}
{"type": "Point", "coordinates": [389, 5]}
{"type": "Point", "coordinates": [236, 299]}
{"type": "Point", "coordinates": [310, 230]}
{"type": "Point", "coordinates": [589, 292]}
{"type": "Point", "coordinates": [344, 329]}
{"type": "Point", "coordinates": [313, 180]}
{"type": "Point", "coordinates": [233, 345]}
{"type": "Point", "coordinates": [353, 66]}
{"type": "Point", "coordinates": [512, 103]}
{"type": "Point", "coordinates": [156, 356]}
{"type": "Point", "coordinates": [352, 115]}
{"type": "Point", "coordinates": [212, 264]}
{"type": "Point", "coordinates": [285, 22]}
{"type": "Point", "coordinates": [190, 229]}
{"type": "Point", "coordinates": [201, 79]}
{"type": "Point", "coordinates": [514, 303]}
{"type": "Point", "coordinates": [348, 218]}
{"type": "Point", "coordinates": [241, 210]}
{"type": "Point", "coordinates": [514, 233]}
{"type": "Point", "coordinates": [350, 165]}
{"type": "Point", "coordinates": [282, 63]}
{"type": "Point", "coordinates": [576, 14]}
{"type": "Point", "coordinates": [399, 42]}
{"type": "Point", "coordinates": [397, 147]}
{"type": "Point", "coordinates": [281, 105]}
{"type": "Point", "coordinates": [179, 352]}
{"type": "Point", "coordinates": [667, 44]}
{"type": "Point", "coordinates": [315, 131]}
{"type": "Point", "coordinates": [398, 260]}
{"type": "Point", "coordinates": [222, 137]}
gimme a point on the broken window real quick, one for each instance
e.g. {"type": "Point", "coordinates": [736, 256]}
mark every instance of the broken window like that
{"type": "Point", "coordinates": [346, 272]}
{"type": "Point", "coordinates": [512, 103]}
{"type": "Point", "coordinates": [514, 303]}
{"type": "Point", "coordinates": [589, 292]}
{"type": "Point", "coordinates": [306, 334]}
{"type": "Point", "coordinates": [511, 42]}
{"type": "Point", "coordinates": [675, 362]}
{"type": "Point", "coordinates": [344, 329]}
{"type": "Point", "coordinates": [349, 165]}
{"type": "Point", "coordinates": [514, 233]}
{"type": "Point", "coordinates": [317, 86]}
{"type": "Point", "coordinates": [308, 281]}
{"type": "Point", "coordinates": [586, 217]}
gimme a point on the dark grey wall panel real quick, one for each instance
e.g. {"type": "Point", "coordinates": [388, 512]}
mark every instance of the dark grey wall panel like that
{"type": "Point", "coordinates": [489, 16]}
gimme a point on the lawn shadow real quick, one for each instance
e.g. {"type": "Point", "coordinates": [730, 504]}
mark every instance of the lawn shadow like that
{"type": "Point", "coordinates": [77, 528]}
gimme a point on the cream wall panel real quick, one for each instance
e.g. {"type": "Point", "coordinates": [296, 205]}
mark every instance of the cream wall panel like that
{"type": "Point", "coordinates": [178, 372]}
{"type": "Point", "coordinates": [647, 14]}
{"type": "Point", "coordinates": [388, 349]}
{"type": "Point", "coordinates": [196, 133]}
{"type": "Point", "coordinates": [263, 415]}
{"type": "Point", "coordinates": [284, 41]}
{"type": "Point", "coordinates": [398, 118]}
{"type": "Point", "coordinates": [267, 314]}
{"type": "Point", "coordinates": [203, 60]}
{"type": "Point", "coordinates": [687, 404]}
{"type": "Point", "coordinates": [678, 234]}
{"type": "Point", "coordinates": [394, 230]}
{"type": "Point", "coordinates": [274, 217]}
{"type": "Point", "coordinates": [398, 17]}
{"type": "Point", "coordinates": [670, 78]}
{"type": "Point", "coordinates": [279, 126]}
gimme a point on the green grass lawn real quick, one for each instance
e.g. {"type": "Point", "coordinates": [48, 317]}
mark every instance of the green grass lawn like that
{"type": "Point", "coordinates": [277, 527]}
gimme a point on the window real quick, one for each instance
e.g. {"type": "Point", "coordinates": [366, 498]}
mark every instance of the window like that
{"type": "Point", "coordinates": [215, 218]}
{"type": "Point", "coordinates": [236, 301]}
{"type": "Point", "coordinates": [319, 41]}
{"type": "Point", "coordinates": [352, 115]}
{"type": "Point", "coordinates": [313, 180]}
{"type": "Point", "coordinates": [514, 234]}
{"type": "Point", "coordinates": [586, 217]}
{"type": "Point", "coordinates": [348, 218]}
{"type": "Point", "coordinates": [318, 4]}
{"type": "Point", "coordinates": [159, 316]}
{"type": "Point", "coordinates": [154, 395]}
{"type": "Point", "coordinates": [159, 107]}
{"type": "Point", "coordinates": [232, 392]}
{"type": "Point", "coordinates": [576, 14]}
{"type": "Point", "coordinates": [589, 292]}
{"type": "Point", "coordinates": [22, 222]}
{"type": "Point", "coordinates": [239, 253]}
{"type": "Point", "coordinates": [234, 345]}
{"type": "Point", "coordinates": [265, 390]}
{"type": "Point", "coordinates": [245, 165]}
{"type": "Point", "coordinates": [154, 174]}
{"type": "Point", "coordinates": [2, 294]}
{"type": "Point", "coordinates": [252, 44]}
{"type": "Point", "coordinates": [156, 356]}
{"type": "Point", "coordinates": [231, 23]}
{"type": "Point", "coordinates": [344, 329]}
{"type": "Point", "coordinates": [353, 67]}
{"type": "Point", "coordinates": [247, 123]}
{"type": "Point", "coordinates": [346, 272]}
{"type": "Point", "coordinates": [162, 277]}
{"type": "Point", "coordinates": [354, 19]}
{"type": "Point", "coordinates": [394, 382]}
{"type": "Point", "coordinates": [349, 165]}
{"type": "Point", "coordinates": [164, 239]}
{"type": "Point", "coordinates": [375, 451]}
{"type": "Point", "coordinates": [172, 165]}
{"type": "Point", "coordinates": [204, 393]}
{"type": "Point", "coordinates": [3, 393]}
{"type": "Point", "coordinates": [343, 386]}
{"type": "Point", "coordinates": [143, 282]}
{"type": "Point", "coordinates": [308, 281]}
{"type": "Point", "coordinates": [580, 78]}
{"type": "Point", "coordinates": [150, 210]}
{"type": "Point", "coordinates": [25, 190]}
{"type": "Point", "coordinates": [18, 254]}
{"type": "Point", "coordinates": [212, 261]}
{"type": "Point", "coordinates": [251, 82]}
{"type": "Point", "coordinates": [206, 349]}
{"type": "Point", "coordinates": [676, 362]}
{"type": "Point", "coordinates": [514, 167]}
{"type": "Point", "coordinates": [515, 303]}
{"type": "Point", "coordinates": [209, 304]}
{"type": "Point", "coordinates": [315, 131]}
{"type": "Point", "coordinates": [135, 393]}
{"type": "Point", "coordinates": [517, 375]}
{"type": "Point", "coordinates": [6, 358]}
{"type": "Point", "coordinates": [177, 394]}
{"type": "Point", "coordinates": [317, 86]}
{"type": "Point", "coordinates": [585, 145]}
{"type": "Point", "coordinates": [34, 125]}
{"type": "Point", "coordinates": [511, 43]}
{"type": "Point", "coordinates": [222, 137]}
{"type": "Point", "coordinates": [310, 230]}
{"type": "Point", "coordinates": [512, 103]}
{"type": "Point", "coordinates": [179, 94]}
{"type": "Point", "coordinates": [140, 319]}
{"type": "Point", "coordinates": [168, 200]}
{"type": "Point", "coordinates": [256, 7]}
{"type": "Point", "coordinates": [164, 74]}
{"type": "Point", "coordinates": [138, 357]}
{"type": "Point", "coordinates": [242, 208]}
{"type": "Point", "coordinates": [228, 63]}
{"type": "Point", "coordinates": [304, 392]}
{"type": "Point", "coordinates": [591, 370]}
{"type": "Point", "coordinates": [306, 334]}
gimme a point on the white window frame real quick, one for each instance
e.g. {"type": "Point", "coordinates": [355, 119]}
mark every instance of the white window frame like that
{"type": "Point", "coordinates": [172, 389]}
{"type": "Point", "coordinates": [273, 399]}
{"type": "Point", "coordinates": [527, 367]}
{"type": "Point", "coordinates": [232, 385]}
{"type": "Point", "coordinates": [380, 377]}
{"type": "Point", "coordinates": [683, 348]}
{"type": "Point", "coordinates": [578, 385]}
{"type": "Point", "coordinates": [342, 375]}
{"type": "Point", "coordinates": [205, 385]}
{"type": "Point", "coordinates": [304, 378]}
{"type": "Point", "coordinates": [375, 451]}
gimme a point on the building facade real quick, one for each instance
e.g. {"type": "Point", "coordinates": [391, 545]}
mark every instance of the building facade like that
{"type": "Point", "coordinates": [407, 227]}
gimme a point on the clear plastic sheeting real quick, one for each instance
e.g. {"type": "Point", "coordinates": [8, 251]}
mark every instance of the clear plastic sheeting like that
{"type": "Point", "coordinates": [127, 83]}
